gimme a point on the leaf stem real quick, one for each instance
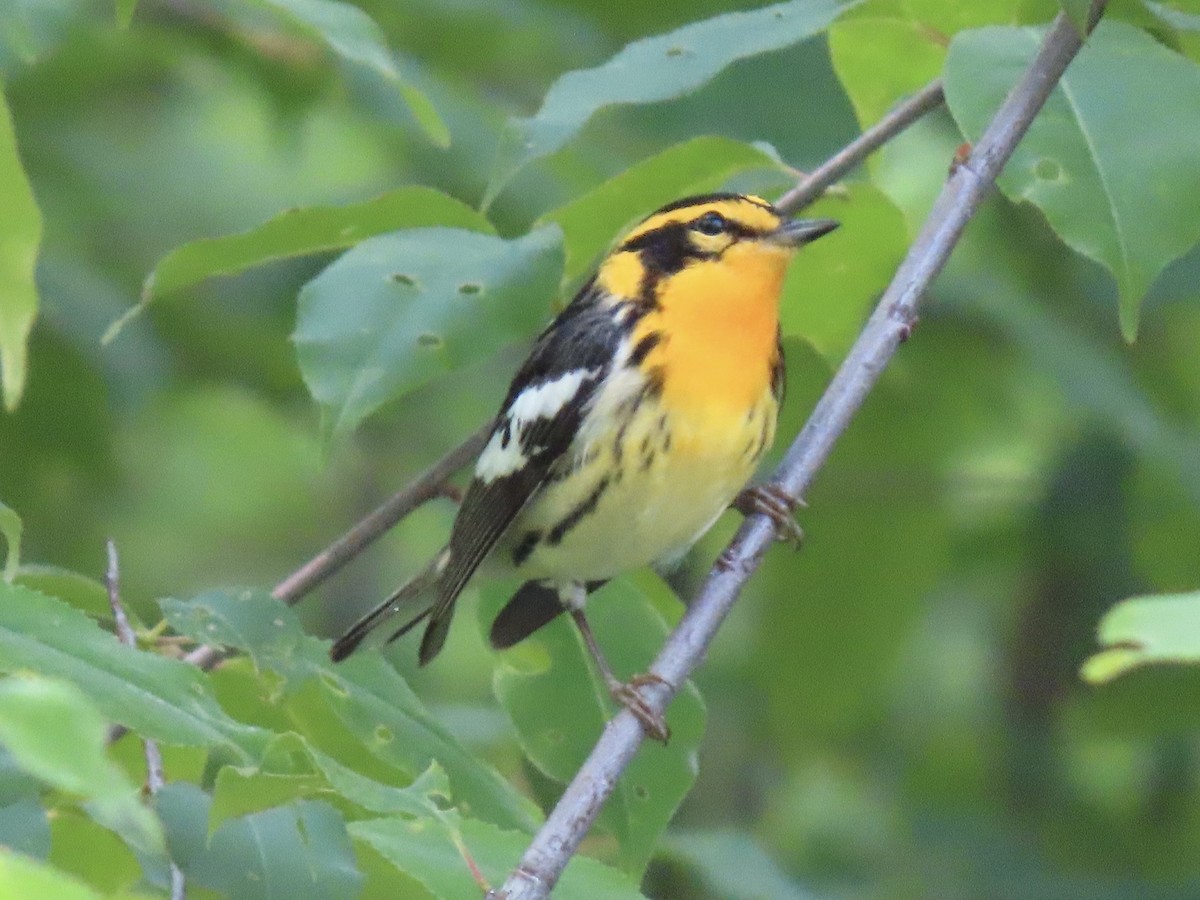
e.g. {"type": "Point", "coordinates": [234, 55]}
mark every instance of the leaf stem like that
{"type": "Point", "coordinates": [553, 846]}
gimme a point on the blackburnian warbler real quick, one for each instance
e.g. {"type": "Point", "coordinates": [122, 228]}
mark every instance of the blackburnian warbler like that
{"type": "Point", "coordinates": [638, 417]}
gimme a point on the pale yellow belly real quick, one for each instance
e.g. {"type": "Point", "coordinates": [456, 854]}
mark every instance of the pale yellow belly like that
{"type": "Point", "coordinates": [640, 496]}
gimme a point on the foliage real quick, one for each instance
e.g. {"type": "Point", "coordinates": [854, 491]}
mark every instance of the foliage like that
{"type": "Point", "coordinates": [218, 213]}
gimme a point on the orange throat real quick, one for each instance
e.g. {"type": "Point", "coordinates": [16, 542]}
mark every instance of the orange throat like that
{"type": "Point", "coordinates": [720, 322]}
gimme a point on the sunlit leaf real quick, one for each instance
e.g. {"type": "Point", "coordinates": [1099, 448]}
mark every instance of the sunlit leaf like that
{"type": "Point", "coordinates": [10, 530]}
{"type": "Point", "coordinates": [698, 166]}
{"type": "Point", "coordinates": [364, 693]}
{"type": "Point", "coordinates": [22, 877]}
{"type": "Point", "coordinates": [20, 235]}
{"type": "Point", "coordinates": [299, 850]}
{"type": "Point", "coordinates": [56, 734]}
{"type": "Point", "coordinates": [296, 232]}
{"type": "Point", "coordinates": [164, 699]}
{"type": "Point", "coordinates": [1145, 630]}
{"type": "Point", "coordinates": [559, 707]}
{"type": "Point", "coordinates": [353, 35]}
{"type": "Point", "coordinates": [434, 859]}
{"type": "Point", "coordinates": [651, 70]}
{"type": "Point", "coordinates": [400, 309]}
{"type": "Point", "coordinates": [882, 58]}
{"type": "Point", "coordinates": [1130, 203]}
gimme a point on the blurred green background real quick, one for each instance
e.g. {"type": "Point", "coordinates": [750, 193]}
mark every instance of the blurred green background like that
{"type": "Point", "coordinates": [893, 712]}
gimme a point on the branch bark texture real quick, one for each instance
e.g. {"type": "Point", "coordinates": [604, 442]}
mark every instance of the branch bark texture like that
{"type": "Point", "coordinates": [892, 321]}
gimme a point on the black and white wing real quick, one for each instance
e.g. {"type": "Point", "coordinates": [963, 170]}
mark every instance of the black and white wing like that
{"type": "Point", "coordinates": [538, 422]}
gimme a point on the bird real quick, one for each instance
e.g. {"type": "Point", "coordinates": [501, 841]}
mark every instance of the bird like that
{"type": "Point", "coordinates": [638, 417]}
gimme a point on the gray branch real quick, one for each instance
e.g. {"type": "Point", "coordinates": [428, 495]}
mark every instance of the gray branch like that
{"type": "Point", "coordinates": [967, 186]}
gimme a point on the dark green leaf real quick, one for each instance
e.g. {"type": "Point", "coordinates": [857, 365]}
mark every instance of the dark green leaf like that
{"type": "Point", "coordinates": [20, 235]}
{"type": "Point", "coordinates": [297, 232]}
{"type": "Point", "coordinates": [55, 734]}
{"type": "Point", "coordinates": [1132, 205]}
{"type": "Point", "coordinates": [698, 166]}
{"type": "Point", "coordinates": [733, 865]}
{"type": "Point", "coordinates": [559, 708]}
{"type": "Point", "coordinates": [437, 860]}
{"type": "Point", "coordinates": [400, 309]}
{"type": "Point", "coordinates": [651, 70]}
{"type": "Point", "coordinates": [1144, 630]}
{"type": "Point", "coordinates": [164, 699]}
{"type": "Point", "coordinates": [353, 35]}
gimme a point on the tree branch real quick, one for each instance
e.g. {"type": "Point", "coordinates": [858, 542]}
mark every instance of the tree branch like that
{"type": "Point", "coordinates": [560, 836]}
{"type": "Point", "coordinates": [154, 761]}
{"type": "Point", "coordinates": [421, 490]}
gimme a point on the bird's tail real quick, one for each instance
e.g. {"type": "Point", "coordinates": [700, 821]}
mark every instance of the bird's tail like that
{"type": "Point", "coordinates": [402, 598]}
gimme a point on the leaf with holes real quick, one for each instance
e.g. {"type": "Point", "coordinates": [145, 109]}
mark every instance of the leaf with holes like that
{"type": "Point", "coordinates": [400, 309]}
{"type": "Point", "coordinates": [1145, 630]}
{"type": "Point", "coordinates": [651, 70]}
{"type": "Point", "coordinates": [298, 232]}
{"type": "Point", "coordinates": [1112, 161]}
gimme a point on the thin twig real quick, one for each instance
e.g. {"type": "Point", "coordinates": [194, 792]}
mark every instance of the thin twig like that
{"type": "Point", "coordinates": [125, 634]}
{"type": "Point", "coordinates": [899, 118]}
{"type": "Point", "coordinates": [560, 836]}
{"type": "Point", "coordinates": [426, 486]}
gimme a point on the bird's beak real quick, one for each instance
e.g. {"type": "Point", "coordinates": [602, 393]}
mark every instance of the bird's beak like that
{"type": "Point", "coordinates": [798, 232]}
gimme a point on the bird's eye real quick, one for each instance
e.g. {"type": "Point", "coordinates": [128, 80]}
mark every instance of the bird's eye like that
{"type": "Point", "coordinates": [711, 223]}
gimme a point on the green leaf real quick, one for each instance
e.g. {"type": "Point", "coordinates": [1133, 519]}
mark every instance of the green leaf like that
{"type": "Point", "coordinates": [1145, 630]}
{"type": "Point", "coordinates": [559, 708]}
{"type": "Point", "coordinates": [436, 860]}
{"type": "Point", "coordinates": [353, 35]}
{"type": "Point", "coordinates": [86, 594]}
{"type": "Point", "coordinates": [589, 223]}
{"type": "Point", "coordinates": [651, 70]}
{"type": "Point", "coordinates": [880, 59]}
{"type": "Point", "coordinates": [293, 769]}
{"type": "Point", "coordinates": [400, 309]}
{"type": "Point", "coordinates": [1176, 18]}
{"type": "Point", "coordinates": [20, 235]}
{"type": "Point", "coordinates": [370, 698]}
{"type": "Point", "coordinates": [300, 850]}
{"type": "Point", "coordinates": [297, 232]}
{"type": "Point", "coordinates": [164, 699]}
{"type": "Point", "coordinates": [57, 735]}
{"type": "Point", "coordinates": [22, 877]}
{"type": "Point", "coordinates": [10, 530]}
{"type": "Point", "coordinates": [1131, 205]}
{"type": "Point", "coordinates": [1078, 11]}
{"type": "Point", "coordinates": [125, 11]}
{"type": "Point", "coordinates": [732, 864]}
{"type": "Point", "coordinates": [834, 283]}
